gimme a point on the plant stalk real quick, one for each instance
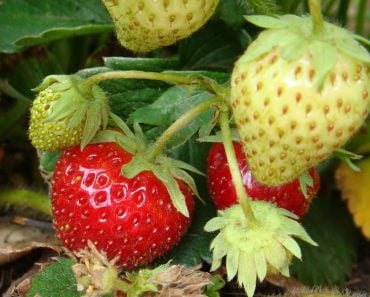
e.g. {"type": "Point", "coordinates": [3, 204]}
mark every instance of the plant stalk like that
{"type": "Point", "coordinates": [361, 17]}
{"type": "Point", "coordinates": [121, 285]}
{"type": "Point", "coordinates": [317, 19]}
{"type": "Point", "coordinates": [241, 193]}
{"type": "Point", "coordinates": [26, 199]}
{"type": "Point", "coordinates": [6, 88]}
{"type": "Point", "coordinates": [180, 123]}
{"type": "Point", "coordinates": [133, 74]}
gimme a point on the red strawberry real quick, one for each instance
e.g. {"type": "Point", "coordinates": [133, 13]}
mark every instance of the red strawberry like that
{"type": "Point", "coordinates": [288, 196]}
{"type": "Point", "coordinates": [130, 218]}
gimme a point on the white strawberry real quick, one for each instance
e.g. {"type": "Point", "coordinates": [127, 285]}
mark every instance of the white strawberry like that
{"type": "Point", "coordinates": [298, 93]}
{"type": "Point", "coordinates": [146, 25]}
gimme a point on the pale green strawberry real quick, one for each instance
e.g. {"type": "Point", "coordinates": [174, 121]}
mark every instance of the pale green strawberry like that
{"type": "Point", "coordinates": [66, 112]}
{"type": "Point", "coordinates": [146, 25]}
{"type": "Point", "coordinates": [297, 96]}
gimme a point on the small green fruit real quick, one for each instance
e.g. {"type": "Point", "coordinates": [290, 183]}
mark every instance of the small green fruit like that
{"type": "Point", "coordinates": [50, 136]}
{"type": "Point", "coordinates": [66, 113]}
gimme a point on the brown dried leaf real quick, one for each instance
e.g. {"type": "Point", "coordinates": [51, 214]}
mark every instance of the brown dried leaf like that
{"type": "Point", "coordinates": [17, 241]}
{"type": "Point", "coordinates": [22, 285]}
{"type": "Point", "coordinates": [179, 281]}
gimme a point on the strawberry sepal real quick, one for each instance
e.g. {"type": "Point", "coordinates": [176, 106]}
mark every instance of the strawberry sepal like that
{"type": "Point", "coordinates": [299, 37]}
{"type": "Point", "coordinates": [254, 249]}
{"type": "Point", "coordinates": [70, 109]}
{"type": "Point", "coordinates": [169, 171]}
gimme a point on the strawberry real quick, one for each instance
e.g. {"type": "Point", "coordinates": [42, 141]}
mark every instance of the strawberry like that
{"type": "Point", "coordinates": [133, 218]}
{"type": "Point", "coordinates": [298, 93]}
{"type": "Point", "coordinates": [66, 113]}
{"type": "Point", "coordinates": [288, 196]}
{"type": "Point", "coordinates": [146, 25]}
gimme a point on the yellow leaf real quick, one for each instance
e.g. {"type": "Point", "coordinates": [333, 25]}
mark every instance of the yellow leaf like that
{"type": "Point", "coordinates": [355, 187]}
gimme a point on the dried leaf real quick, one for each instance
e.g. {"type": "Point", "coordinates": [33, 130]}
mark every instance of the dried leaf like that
{"type": "Point", "coordinates": [17, 241]}
{"type": "Point", "coordinates": [355, 190]}
{"type": "Point", "coordinates": [22, 285]}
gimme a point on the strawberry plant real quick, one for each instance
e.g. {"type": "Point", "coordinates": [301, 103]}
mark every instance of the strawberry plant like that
{"type": "Point", "coordinates": [174, 148]}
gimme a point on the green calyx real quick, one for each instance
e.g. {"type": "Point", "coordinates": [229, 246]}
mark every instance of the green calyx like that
{"type": "Point", "coordinates": [77, 104]}
{"type": "Point", "coordinates": [296, 36]}
{"type": "Point", "coordinates": [255, 248]}
{"type": "Point", "coordinates": [169, 171]}
{"type": "Point", "coordinates": [171, 280]}
{"type": "Point", "coordinates": [305, 180]}
{"type": "Point", "coordinates": [143, 281]}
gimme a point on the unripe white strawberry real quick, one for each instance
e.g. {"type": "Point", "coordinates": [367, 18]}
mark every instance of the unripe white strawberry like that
{"type": "Point", "coordinates": [146, 25]}
{"type": "Point", "coordinates": [297, 96]}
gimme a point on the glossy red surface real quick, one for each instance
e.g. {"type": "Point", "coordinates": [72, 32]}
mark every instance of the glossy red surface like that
{"type": "Point", "coordinates": [288, 196]}
{"type": "Point", "coordinates": [130, 218]}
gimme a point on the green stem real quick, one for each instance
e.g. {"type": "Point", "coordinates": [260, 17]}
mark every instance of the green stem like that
{"type": "Point", "coordinates": [181, 122]}
{"type": "Point", "coordinates": [121, 285]}
{"type": "Point", "coordinates": [6, 88]}
{"type": "Point", "coordinates": [26, 199]}
{"type": "Point", "coordinates": [133, 74]}
{"type": "Point", "coordinates": [241, 193]}
{"type": "Point", "coordinates": [342, 12]}
{"type": "Point", "coordinates": [317, 19]}
{"type": "Point", "coordinates": [361, 17]}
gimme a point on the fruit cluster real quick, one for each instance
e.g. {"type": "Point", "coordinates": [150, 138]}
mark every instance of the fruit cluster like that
{"type": "Point", "coordinates": [297, 94]}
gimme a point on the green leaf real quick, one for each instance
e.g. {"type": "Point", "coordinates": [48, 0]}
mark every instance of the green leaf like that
{"type": "Point", "coordinates": [194, 247]}
{"type": "Point", "coordinates": [25, 23]}
{"type": "Point", "coordinates": [170, 106]}
{"type": "Point", "coordinates": [231, 12]}
{"type": "Point", "coordinates": [57, 280]}
{"type": "Point", "coordinates": [331, 226]}
{"type": "Point", "coordinates": [214, 47]}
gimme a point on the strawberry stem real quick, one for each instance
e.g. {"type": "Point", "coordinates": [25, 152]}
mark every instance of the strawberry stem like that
{"type": "Point", "coordinates": [180, 123]}
{"type": "Point", "coordinates": [26, 199]}
{"type": "Point", "coordinates": [133, 74]}
{"type": "Point", "coordinates": [242, 195]}
{"type": "Point", "coordinates": [317, 19]}
{"type": "Point", "coordinates": [120, 285]}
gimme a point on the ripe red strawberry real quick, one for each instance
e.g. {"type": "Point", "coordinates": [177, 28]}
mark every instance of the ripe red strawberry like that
{"type": "Point", "coordinates": [130, 218]}
{"type": "Point", "coordinates": [288, 196]}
